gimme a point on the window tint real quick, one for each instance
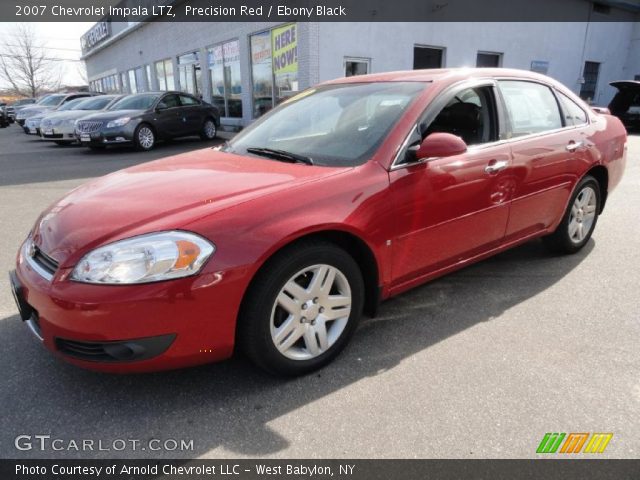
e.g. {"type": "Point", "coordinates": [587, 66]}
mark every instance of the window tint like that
{"type": "Point", "coordinates": [134, 102]}
{"type": "Point", "coordinates": [532, 107]}
{"type": "Point", "coordinates": [169, 101]}
{"type": "Point", "coordinates": [188, 101]}
{"type": "Point", "coordinates": [469, 115]}
{"type": "Point", "coordinates": [573, 114]}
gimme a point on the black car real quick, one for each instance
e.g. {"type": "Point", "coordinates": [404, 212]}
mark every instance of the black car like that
{"type": "Point", "coordinates": [17, 106]}
{"type": "Point", "coordinates": [4, 116]}
{"type": "Point", "coordinates": [626, 103]}
{"type": "Point", "coordinates": [144, 118]}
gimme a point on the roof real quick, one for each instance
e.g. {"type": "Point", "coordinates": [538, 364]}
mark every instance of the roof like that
{"type": "Point", "coordinates": [432, 75]}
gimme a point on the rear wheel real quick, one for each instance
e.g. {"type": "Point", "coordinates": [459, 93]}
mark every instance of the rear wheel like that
{"type": "Point", "coordinates": [579, 220]}
{"type": "Point", "coordinates": [144, 137]}
{"type": "Point", "coordinates": [302, 309]}
{"type": "Point", "coordinates": [209, 129]}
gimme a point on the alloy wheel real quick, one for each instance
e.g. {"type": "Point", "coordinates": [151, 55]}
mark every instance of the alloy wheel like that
{"type": "Point", "coordinates": [210, 129]}
{"type": "Point", "coordinates": [146, 138]}
{"type": "Point", "coordinates": [311, 311]}
{"type": "Point", "coordinates": [583, 214]}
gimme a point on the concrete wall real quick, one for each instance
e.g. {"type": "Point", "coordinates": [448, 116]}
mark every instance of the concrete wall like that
{"type": "Point", "coordinates": [566, 46]}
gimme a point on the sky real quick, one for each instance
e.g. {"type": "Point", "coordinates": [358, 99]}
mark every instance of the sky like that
{"type": "Point", "coordinates": [61, 40]}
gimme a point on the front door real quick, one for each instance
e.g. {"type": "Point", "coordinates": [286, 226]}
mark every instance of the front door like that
{"type": "Point", "coordinates": [451, 209]}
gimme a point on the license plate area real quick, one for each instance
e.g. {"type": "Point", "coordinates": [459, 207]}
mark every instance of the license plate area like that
{"type": "Point", "coordinates": [85, 137]}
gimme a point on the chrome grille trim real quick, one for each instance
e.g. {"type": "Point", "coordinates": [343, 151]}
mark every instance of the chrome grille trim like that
{"type": "Point", "coordinates": [88, 126]}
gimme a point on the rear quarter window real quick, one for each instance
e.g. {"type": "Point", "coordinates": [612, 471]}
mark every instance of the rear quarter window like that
{"type": "Point", "coordinates": [573, 114]}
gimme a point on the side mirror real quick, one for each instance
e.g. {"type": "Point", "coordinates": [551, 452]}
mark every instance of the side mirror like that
{"type": "Point", "coordinates": [160, 108]}
{"type": "Point", "coordinates": [440, 144]}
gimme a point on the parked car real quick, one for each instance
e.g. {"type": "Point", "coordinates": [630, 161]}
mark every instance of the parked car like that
{"type": "Point", "coordinates": [141, 119]}
{"type": "Point", "coordinates": [349, 193]}
{"type": "Point", "coordinates": [49, 102]}
{"type": "Point", "coordinates": [59, 126]}
{"type": "Point", "coordinates": [626, 103]}
{"type": "Point", "coordinates": [17, 106]}
{"type": "Point", "coordinates": [4, 116]}
{"type": "Point", "coordinates": [32, 124]}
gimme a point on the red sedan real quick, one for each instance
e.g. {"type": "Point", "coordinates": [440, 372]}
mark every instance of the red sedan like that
{"type": "Point", "coordinates": [347, 194]}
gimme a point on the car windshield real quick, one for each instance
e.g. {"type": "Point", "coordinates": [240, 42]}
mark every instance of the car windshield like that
{"type": "Point", "coordinates": [24, 101]}
{"type": "Point", "coordinates": [334, 125]}
{"type": "Point", "coordinates": [135, 102]}
{"type": "Point", "coordinates": [52, 100]}
{"type": "Point", "coordinates": [95, 103]}
{"type": "Point", "coordinates": [70, 105]}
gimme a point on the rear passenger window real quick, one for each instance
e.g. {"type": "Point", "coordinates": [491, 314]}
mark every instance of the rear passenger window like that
{"type": "Point", "coordinates": [573, 114]}
{"type": "Point", "coordinates": [532, 107]}
{"type": "Point", "coordinates": [187, 101]}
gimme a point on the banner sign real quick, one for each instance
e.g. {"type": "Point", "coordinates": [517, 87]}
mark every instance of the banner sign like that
{"type": "Point", "coordinates": [284, 44]}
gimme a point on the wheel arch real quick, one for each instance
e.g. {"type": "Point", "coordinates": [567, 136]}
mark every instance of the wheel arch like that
{"type": "Point", "coordinates": [601, 174]}
{"type": "Point", "coordinates": [353, 244]}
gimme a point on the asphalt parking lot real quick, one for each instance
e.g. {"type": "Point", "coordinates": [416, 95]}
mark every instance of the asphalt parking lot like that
{"type": "Point", "coordinates": [478, 364]}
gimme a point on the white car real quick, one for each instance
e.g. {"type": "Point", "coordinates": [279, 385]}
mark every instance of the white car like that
{"type": "Point", "coordinates": [59, 126]}
{"type": "Point", "coordinates": [47, 104]}
{"type": "Point", "coordinates": [32, 124]}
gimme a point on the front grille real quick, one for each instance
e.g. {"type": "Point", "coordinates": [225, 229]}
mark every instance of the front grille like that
{"type": "Point", "coordinates": [116, 351]}
{"type": "Point", "coordinates": [84, 350]}
{"type": "Point", "coordinates": [88, 126]}
{"type": "Point", "coordinates": [44, 261]}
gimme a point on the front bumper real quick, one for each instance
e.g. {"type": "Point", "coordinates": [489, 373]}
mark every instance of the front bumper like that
{"type": "Point", "coordinates": [66, 134]}
{"type": "Point", "coordinates": [108, 136]}
{"type": "Point", "coordinates": [131, 328]}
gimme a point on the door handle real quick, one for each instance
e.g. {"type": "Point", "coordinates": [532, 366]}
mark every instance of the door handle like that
{"type": "Point", "coordinates": [573, 146]}
{"type": "Point", "coordinates": [496, 166]}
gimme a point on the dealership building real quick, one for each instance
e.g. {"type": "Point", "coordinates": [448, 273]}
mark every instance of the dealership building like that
{"type": "Point", "coordinates": [247, 68]}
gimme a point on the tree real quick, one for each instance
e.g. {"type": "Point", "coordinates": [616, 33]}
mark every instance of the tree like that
{"type": "Point", "coordinates": [24, 64]}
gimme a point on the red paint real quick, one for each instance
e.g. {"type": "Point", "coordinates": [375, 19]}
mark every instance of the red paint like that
{"type": "Point", "coordinates": [438, 216]}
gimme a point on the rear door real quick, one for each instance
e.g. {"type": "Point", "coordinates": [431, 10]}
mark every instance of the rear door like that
{"type": "Point", "coordinates": [545, 146]}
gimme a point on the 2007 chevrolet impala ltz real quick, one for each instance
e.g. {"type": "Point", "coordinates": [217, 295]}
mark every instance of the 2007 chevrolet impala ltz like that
{"type": "Point", "coordinates": [346, 194]}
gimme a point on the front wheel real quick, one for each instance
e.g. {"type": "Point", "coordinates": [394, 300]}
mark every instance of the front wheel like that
{"type": "Point", "coordinates": [144, 137]}
{"type": "Point", "coordinates": [209, 130]}
{"type": "Point", "coordinates": [579, 220]}
{"type": "Point", "coordinates": [302, 309]}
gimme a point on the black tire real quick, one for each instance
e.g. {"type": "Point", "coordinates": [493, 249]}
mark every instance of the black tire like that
{"type": "Point", "coordinates": [560, 241]}
{"type": "Point", "coordinates": [254, 322]}
{"type": "Point", "coordinates": [140, 145]}
{"type": "Point", "coordinates": [61, 143]}
{"type": "Point", "coordinates": [205, 132]}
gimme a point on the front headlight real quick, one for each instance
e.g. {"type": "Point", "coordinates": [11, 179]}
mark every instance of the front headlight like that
{"type": "Point", "coordinates": [119, 122]}
{"type": "Point", "coordinates": [147, 258]}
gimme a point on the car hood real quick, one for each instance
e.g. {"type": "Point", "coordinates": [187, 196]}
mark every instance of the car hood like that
{"type": "Point", "coordinates": [162, 195]}
{"type": "Point", "coordinates": [114, 114]}
{"type": "Point", "coordinates": [30, 111]}
{"type": "Point", "coordinates": [69, 114]}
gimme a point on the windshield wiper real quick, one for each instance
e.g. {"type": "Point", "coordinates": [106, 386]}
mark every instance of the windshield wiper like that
{"type": "Point", "coordinates": [280, 155]}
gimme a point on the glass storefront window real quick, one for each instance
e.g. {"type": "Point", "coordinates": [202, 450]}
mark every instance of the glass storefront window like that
{"type": "Point", "coordinates": [123, 83]}
{"type": "Point", "coordinates": [164, 75]}
{"type": "Point", "coordinates": [274, 67]}
{"type": "Point", "coordinates": [147, 75]}
{"type": "Point", "coordinates": [190, 73]}
{"type": "Point", "coordinates": [224, 72]}
{"type": "Point", "coordinates": [132, 82]}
